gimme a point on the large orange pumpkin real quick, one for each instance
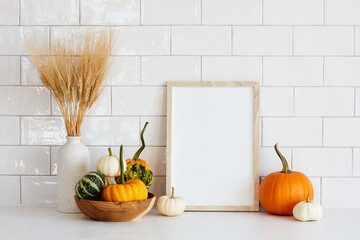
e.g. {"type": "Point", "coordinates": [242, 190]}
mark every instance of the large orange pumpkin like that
{"type": "Point", "coordinates": [280, 191]}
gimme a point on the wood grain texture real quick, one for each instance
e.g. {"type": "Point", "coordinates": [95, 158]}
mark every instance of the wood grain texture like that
{"type": "Point", "coordinates": [115, 211]}
{"type": "Point", "coordinates": [255, 85]}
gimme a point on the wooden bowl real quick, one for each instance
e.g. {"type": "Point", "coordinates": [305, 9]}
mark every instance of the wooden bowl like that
{"type": "Point", "coordinates": [115, 211]}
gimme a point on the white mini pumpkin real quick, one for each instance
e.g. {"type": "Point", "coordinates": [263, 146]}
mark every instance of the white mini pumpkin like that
{"type": "Point", "coordinates": [171, 206]}
{"type": "Point", "coordinates": [307, 210]}
{"type": "Point", "coordinates": [109, 165]}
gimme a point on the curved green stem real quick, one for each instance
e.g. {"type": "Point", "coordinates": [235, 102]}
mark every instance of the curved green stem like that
{"type": "Point", "coordinates": [286, 168]}
{"type": "Point", "coordinates": [110, 153]}
{"type": "Point", "coordinates": [307, 199]}
{"type": "Point", "coordinates": [138, 152]}
{"type": "Point", "coordinates": [122, 180]}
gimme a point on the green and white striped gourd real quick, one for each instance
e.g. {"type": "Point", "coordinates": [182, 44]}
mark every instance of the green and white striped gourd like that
{"type": "Point", "coordinates": [89, 187]}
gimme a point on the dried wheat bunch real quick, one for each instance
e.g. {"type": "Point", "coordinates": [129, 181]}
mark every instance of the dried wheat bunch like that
{"type": "Point", "coordinates": [75, 71]}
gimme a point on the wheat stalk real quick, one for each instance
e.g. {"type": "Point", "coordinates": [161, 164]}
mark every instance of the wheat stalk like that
{"type": "Point", "coordinates": [75, 71]}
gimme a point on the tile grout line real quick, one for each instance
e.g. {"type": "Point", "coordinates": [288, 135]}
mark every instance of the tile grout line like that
{"type": "Point", "coordinates": [19, 1]}
{"type": "Point", "coordinates": [201, 12]}
{"type": "Point", "coordinates": [323, 12]}
{"type": "Point", "coordinates": [355, 101]}
{"type": "Point", "coordinates": [232, 40]}
{"type": "Point", "coordinates": [20, 189]}
{"type": "Point", "coordinates": [201, 68]}
{"type": "Point", "coordinates": [79, 12]}
{"type": "Point", "coordinates": [293, 40]}
{"type": "Point", "coordinates": [262, 12]}
{"type": "Point", "coordinates": [323, 71]}
{"type": "Point", "coordinates": [352, 161]}
{"type": "Point", "coordinates": [322, 132]}
{"type": "Point", "coordinates": [140, 12]}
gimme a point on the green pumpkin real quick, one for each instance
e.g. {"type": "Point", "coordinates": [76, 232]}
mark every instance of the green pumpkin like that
{"type": "Point", "coordinates": [89, 187]}
{"type": "Point", "coordinates": [137, 171]}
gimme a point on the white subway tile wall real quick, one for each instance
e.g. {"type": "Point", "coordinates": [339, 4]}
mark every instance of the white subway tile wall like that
{"type": "Point", "coordinates": [304, 53]}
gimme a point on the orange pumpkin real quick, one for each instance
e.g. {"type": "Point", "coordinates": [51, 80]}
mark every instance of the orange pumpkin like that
{"type": "Point", "coordinates": [279, 192]}
{"type": "Point", "coordinates": [131, 190]}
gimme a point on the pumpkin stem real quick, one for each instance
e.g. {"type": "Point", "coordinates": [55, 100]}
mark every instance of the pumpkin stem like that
{"type": "Point", "coordinates": [286, 168]}
{"type": "Point", "coordinates": [307, 199]}
{"type": "Point", "coordinates": [172, 192]}
{"type": "Point", "coordinates": [122, 180]}
{"type": "Point", "coordinates": [138, 152]}
{"type": "Point", "coordinates": [110, 153]}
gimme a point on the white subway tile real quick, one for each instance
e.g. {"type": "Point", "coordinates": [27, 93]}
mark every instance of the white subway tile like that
{"type": "Point", "coordinates": [24, 160]}
{"type": "Point", "coordinates": [324, 101]}
{"type": "Point", "coordinates": [293, 12]}
{"type": "Point", "coordinates": [201, 40]}
{"type": "Point", "coordinates": [9, 12]}
{"type": "Point", "coordinates": [29, 73]}
{"type": "Point", "coordinates": [42, 131]}
{"type": "Point", "coordinates": [125, 71]}
{"type": "Point", "coordinates": [110, 131]}
{"type": "Point", "coordinates": [341, 132]}
{"type": "Point", "coordinates": [235, 12]}
{"type": "Point", "coordinates": [357, 40]}
{"type": "Point", "coordinates": [101, 107]}
{"type": "Point", "coordinates": [262, 40]}
{"type": "Point", "coordinates": [44, 12]}
{"type": "Point", "coordinates": [356, 162]}
{"type": "Point", "coordinates": [139, 100]}
{"type": "Point", "coordinates": [292, 131]}
{"type": "Point", "coordinates": [269, 160]}
{"type": "Point", "coordinates": [159, 70]}
{"type": "Point", "coordinates": [142, 40]}
{"type": "Point", "coordinates": [159, 186]}
{"type": "Point", "coordinates": [110, 12]}
{"type": "Point", "coordinates": [13, 39]}
{"type": "Point", "coordinates": [69, 33]}
{"type": "Point", "coordinates": [341, 192]}
{"type": "Point", "coordinates": [37, 190]}
{"type": "Point", "coordinates": [323, 162]}
{"type": "Point", "coordinates": [10, 130]}
{"type": "Point", "coordinates": [317, 189]}
{"type": "Point", "coordinates": [323, 40]}
{"type": "Point", "coordinates": [342, 12]}
{"type": "Point", "coordinates": [231, 69]}
{"type": "Point", "coordinates": [342, 71]}
{"type": "Point", "coordinates": [276, 101]}
{"type": "Point", "coordinates": [171, 12]}
{"type": "Point", "coordinates": [9, 70]}
{"type": "Point", "coordinates": [154, 156]}
{"type": "Point", "coordinates": [11, 186]}
{"type": "Point", "coordinates": [24, 101]}
{"type": "Point", "coordinates": [156, 130]}
{"type": "Point", "coordinates": [293, 71]}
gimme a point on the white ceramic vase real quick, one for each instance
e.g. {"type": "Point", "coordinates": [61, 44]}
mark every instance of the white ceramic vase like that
{"type": "Point", "coordinates": [72, 164]}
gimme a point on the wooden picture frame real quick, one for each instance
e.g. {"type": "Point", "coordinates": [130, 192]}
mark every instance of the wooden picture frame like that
{"type": "Point", "coordinates": [211, 183]}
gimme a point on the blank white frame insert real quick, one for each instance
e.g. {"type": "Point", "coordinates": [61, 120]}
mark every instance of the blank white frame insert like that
{"type": "Point", "coordinates": [213, 145]}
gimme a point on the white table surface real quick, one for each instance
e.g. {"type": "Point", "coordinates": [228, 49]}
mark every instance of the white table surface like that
{"type": "Point", "coordinates": [44, 222]}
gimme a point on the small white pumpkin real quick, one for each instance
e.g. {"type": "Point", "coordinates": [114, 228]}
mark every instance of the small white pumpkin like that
{"type": "Point", "coordinates": [171, 206]}
{"type": "Point", "coordinates": [307, 210]}
{"type": "Point", "coordinates": [109, 165]}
